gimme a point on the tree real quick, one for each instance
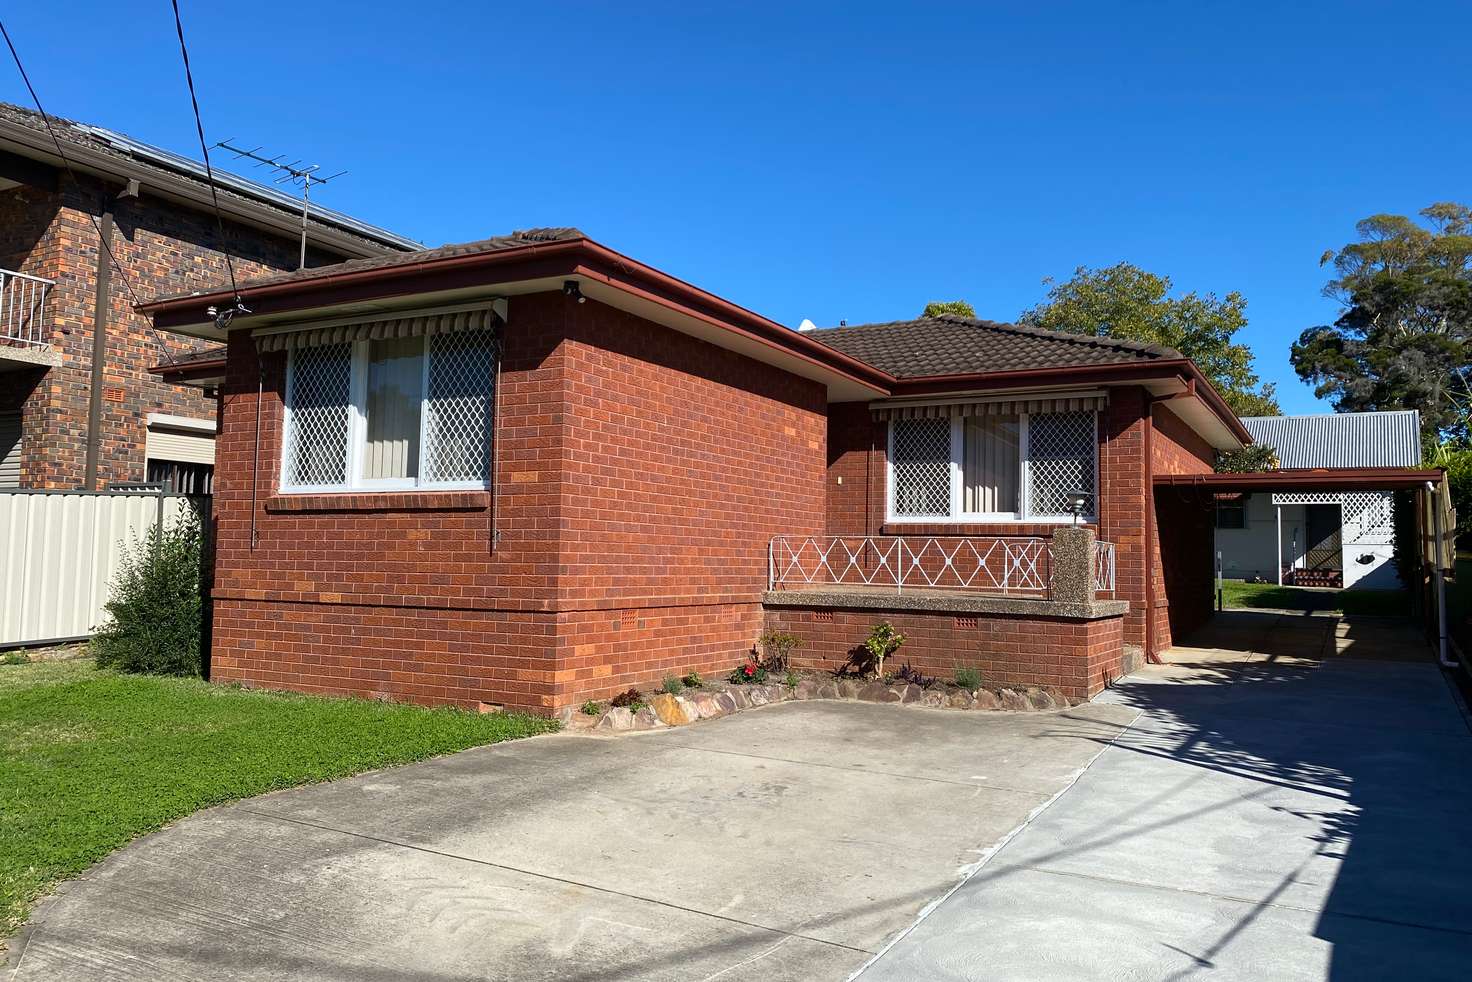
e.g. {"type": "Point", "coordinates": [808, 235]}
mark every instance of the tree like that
{"type": "Point", "coordinates": [957, 308]}
{"type": "Point", "coordinates": [1124, 301]}
{"type": "Point", "coordinates": [1404, 338]}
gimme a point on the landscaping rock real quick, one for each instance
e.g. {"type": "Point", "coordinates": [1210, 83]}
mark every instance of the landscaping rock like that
{"type": "Point", "coordinates": [645, 719]}
{"type": "Point", "coordinates": [1014, 700]}
{"type": "Point", "coordinates": [911, 693]}
{"type": "Point", "coordinates": [707, 705]}
{"type": "Point", "coordinates": [580, 720]}
{"type": "Point", "coordinates": [935, 698]}
{"type": "Point", "coordinates": [758, 695]}
{"type": "Point", "coordinates": [807, 688]}
{"type": "Point", "coordinates": [848, 688]}
{"type": "Point", "coordinates": [986, 699]}
{"type": "Point", "coordinates": [670, 710]}
{"type": "Point", "coordinates": [961, 699]}
{"type": "Point", "coordinates": [827, 690]}
{"type": "Point", "coordinates": [617, 720]}
{"type": "Point", "coordinates": [1039, 699]}
{"type": "Point", "coordinates": [727, 703]}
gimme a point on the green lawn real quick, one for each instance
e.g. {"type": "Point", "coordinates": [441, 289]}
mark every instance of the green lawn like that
{"type": "Point", "coordinates": [1236, 593]}
{"type": "Point", "coordinates": [90, 759]}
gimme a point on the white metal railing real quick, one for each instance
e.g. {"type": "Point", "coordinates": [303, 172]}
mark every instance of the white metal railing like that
{"type": "Point", "coordinates": [1103, 567]}
{"type": "Point", "coordinates": [23, 307]}
{"type": "Point", "coordinates": [983, 564]}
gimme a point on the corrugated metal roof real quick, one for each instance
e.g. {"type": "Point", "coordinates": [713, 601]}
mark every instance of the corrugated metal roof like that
{"type": "Point", "coordinates": [1383, 439]}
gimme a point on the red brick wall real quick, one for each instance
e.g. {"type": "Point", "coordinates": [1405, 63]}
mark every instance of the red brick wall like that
{"type": "Point", "coordinates": [857, 446]}
{"type": "Point", "coordinates": [1177, 448]}
{"type": "Point", "coordinates": [164, 248]}
{"type": "Point", "coordinates": [640, 475]}
{"type": "Point", "coordinates": [1077, 658]}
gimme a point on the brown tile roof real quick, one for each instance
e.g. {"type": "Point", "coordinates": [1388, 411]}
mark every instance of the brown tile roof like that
{"type": "Point", "coordinates": [496, 243]}
{"type": "Point", "coordinates": [950, 345]}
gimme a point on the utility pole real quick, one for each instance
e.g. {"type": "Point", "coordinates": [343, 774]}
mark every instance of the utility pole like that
{"type": "Point", "coordinates": [301, 176]}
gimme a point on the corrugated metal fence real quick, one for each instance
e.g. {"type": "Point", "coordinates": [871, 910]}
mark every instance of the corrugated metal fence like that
{"type": "Point", "coordinates": [59, 552]}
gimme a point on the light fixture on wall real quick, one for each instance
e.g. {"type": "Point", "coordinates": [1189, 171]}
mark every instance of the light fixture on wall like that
{"type": "Point", "coordinates": [1077, 502]}
{"type": "Point", "coordinates": [571, 288]}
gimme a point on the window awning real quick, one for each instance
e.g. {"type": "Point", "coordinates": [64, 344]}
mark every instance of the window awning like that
{"type": "Point", "coordinates": [1063, 402]}
{"type": "Point", "coordinates": [340, 332]}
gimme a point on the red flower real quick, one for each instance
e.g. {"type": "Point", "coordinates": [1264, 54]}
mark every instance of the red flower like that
{"type": "Point", "coordinates": [750, 669]}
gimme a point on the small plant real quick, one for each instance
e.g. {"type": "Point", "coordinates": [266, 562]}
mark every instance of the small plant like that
{"type": "Point", "coordinates": [14, 658]}
{"type": "Point", "coordinates": [693, 681]}
{"type": "Point", "coordinates": [672, 685]}
{"type": "Point", "coordinates": [749, 674]}
{"type": "Point", "coordinates": [968, 679]}
{"type": "Point", "coordinates": [791, 678]}
{"type": "Point", "coordinates": [632, 699]}
{"type": "Point", "coordinates": [156, 614]}
{"type": "Point", "coordinates": [777, 647]}
{"type": "Point", "coordinates": [883, 641]}
{"type": "Point", "coordinates": [914, 677]}
{"type": "Point", "coordinates": [592, 708]}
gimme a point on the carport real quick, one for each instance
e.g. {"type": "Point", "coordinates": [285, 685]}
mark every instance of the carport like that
{"type": "Point", "coordinates": [1185, 502]}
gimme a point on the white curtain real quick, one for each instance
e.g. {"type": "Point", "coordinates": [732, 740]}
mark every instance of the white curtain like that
{"type": "Point", "coordinates": [991, 475]}
{"type": "Point", "coordinates": [395, 391]}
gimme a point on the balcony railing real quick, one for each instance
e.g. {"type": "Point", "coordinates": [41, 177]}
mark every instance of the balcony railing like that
{"type": "Point", "coordinates": [23, 308]}
{"type": "Point", "coordinates": [980, 564]}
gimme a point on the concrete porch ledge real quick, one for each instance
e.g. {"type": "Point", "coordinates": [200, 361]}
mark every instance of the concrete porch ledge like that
{"type": "Point", "coordinates": [943, 601]}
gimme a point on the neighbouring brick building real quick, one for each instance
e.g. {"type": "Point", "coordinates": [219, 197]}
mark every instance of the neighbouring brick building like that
{"type": "Point", "coordinates": [75, 413]}
{"type": "Point", "coordinates": [529, 471]}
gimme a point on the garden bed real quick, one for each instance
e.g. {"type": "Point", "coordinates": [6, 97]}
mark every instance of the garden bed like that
{"type": "Point", "coordinates": [713, 699]}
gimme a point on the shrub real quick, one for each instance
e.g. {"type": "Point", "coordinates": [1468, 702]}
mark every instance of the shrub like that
{"type": "Point", "coordinates": [777, 646]}
{"type": "Point", "coordinates": [968, 678]}
{"type": "Point", "coordinates": [632, 699]}
{"type": "Point", "coordinates": [693, 681]}
{"type": "Point", "coordinates": [791, 679]}
{"type": "Point", "coordinates": [883, 641]}
{"type": "Point", "coordinates": [750, 673]}
{"type": "Point", "coordinates": [14, 658]}
{"type": "Point", "coordinates": [156, 614]}
{"type": "Point", "coordinates": [672, 685]}
{"type": "Point", "coordinates": [592, 708]}
{"type": "Point", "coordinates": [914, 677]}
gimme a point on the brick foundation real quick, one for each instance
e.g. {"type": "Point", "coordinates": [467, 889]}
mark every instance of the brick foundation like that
{"type": "Point", "coordinates": [1075, 657]}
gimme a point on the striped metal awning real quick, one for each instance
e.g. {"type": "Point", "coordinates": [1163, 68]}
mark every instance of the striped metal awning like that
{"type": "Point", "coordinates": [309, 336]}
{"type": "Point", "coordinates": [952, 407]}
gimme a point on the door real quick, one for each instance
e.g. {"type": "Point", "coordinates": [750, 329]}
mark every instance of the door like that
{"type": "Point", "coordinates": [1324, 528]}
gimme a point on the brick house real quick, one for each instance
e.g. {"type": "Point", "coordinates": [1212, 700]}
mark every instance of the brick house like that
{"type": "Point", "coordinates": [529, 471]}
{"type": "Point", "coordinates": [79, 407]}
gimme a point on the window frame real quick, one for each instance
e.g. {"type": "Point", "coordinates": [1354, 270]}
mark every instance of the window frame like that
{"type": "Point", "coordinates": [956, 515]}
{"type": "Point", "coordinates": [357, 434]}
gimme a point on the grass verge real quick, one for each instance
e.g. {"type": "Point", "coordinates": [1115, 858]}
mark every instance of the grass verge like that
{"type": "Point", "coordinates": [1379, 603]}
{"type": "Point", "coordinates": [93, 759]}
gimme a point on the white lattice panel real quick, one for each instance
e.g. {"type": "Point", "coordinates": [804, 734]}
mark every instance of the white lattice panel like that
{"type": "Point", "coordinates": [457, 421]}
{"type": "Point", "coordinates": [922, 466]}
{"type": "Point", "coordinates": [1369, 518]}
{"type": "Point", "coordinates": [1061, 449]}
{"type": "Point", "coordinates": [317, 430]}
{"type": "Point", "coordinates": [1307, 498]}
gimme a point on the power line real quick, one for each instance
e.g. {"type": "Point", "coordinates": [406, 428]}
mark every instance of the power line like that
{"type": "Point", "coordinates": [209, 171]}
{"type": "Point", "coordinates": [56, 141]}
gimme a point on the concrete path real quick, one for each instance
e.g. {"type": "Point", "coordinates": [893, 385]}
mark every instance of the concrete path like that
{"type": "Point", "coordinates": [787, 843]}
{"type": "Point", "coordinates": [1294, 803]}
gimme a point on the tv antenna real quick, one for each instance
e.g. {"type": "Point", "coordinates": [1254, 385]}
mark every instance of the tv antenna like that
{"type": "Point", "coordinates": [302, 176]}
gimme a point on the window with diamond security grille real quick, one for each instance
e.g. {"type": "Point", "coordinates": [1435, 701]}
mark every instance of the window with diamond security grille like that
{"type": "Point", "coordinates": [423, 419]}
{"type": "Point", "coordinates": [457, 421]}
{"type": "Point", "coordinates": [1061, 448]}
{"type": "Point", "coordinates": [921, 467]}
{"type": "Point", "coordinates": [317, 433]}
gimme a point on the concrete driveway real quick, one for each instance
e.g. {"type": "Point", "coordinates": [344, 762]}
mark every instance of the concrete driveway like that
{"type": "Point", "coordinates": [1295, 802]}
{"type": "Point", "coordinates": [787, 843]}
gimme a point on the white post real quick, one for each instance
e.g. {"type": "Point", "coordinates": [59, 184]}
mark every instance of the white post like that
{"type": "Point", "coordinates": [1279, 509]}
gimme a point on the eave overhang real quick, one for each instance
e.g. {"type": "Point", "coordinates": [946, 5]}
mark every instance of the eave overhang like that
{"type": "Point", "coordinates": [602, 274]}
{"type": "Point", "coordinates": [1318, 479]}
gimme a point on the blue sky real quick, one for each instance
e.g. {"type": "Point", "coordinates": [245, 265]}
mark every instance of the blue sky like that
{"type": "Point", "coordinates": [827, 160]}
